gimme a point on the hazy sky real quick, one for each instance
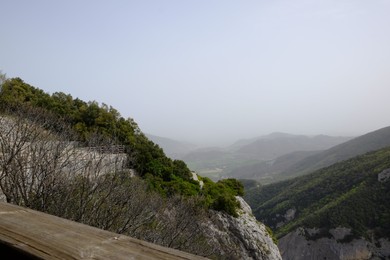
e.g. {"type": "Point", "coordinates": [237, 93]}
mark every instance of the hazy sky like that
{"type": "Point", "coordinates": [209, 71]}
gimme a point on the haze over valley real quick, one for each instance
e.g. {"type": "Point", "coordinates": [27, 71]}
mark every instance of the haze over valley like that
{"type": "Point", "coordinates": [233, 160]}
{"type": "Point", "coordinates": [210, 73]}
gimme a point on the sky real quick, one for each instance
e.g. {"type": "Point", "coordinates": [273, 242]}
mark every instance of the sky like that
{"type": "Point", "coordinates": [210, 71]}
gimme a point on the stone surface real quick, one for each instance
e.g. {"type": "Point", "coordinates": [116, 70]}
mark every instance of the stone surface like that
{"type": "Point", "coordinates": [340, 232]}
{"type": "Point", "coordinates": [384, 175]}
{"type": "Point", "coordinates": [290, 214]}
{"type": "Point", "coordinates": [195, 178]}
{"type": "Point", "coordinates": [242, 237]}
{"type": "Point", "coordinates": [295, 246]}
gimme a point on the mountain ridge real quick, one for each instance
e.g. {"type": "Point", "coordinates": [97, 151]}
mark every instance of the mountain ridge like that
{"type": "Point", "coordinates": [262, 151]}
{"type": "Point", "coordinates": [371, 141]}
{"type": "Point", "coordinates": [303, 162]}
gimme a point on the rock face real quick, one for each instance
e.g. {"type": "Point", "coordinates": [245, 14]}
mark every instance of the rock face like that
{"type": "Point", "coordinates": [297, 245]}
{"type": "Point", "coordinates": [242, 237]}
{"type": "Point", "coordinates": [384, 175]}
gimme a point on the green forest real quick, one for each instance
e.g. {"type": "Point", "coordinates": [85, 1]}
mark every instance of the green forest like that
{"type": "Point", "coordinates": [346, 194]}
{"type": "Point", "coordinates": [90, 119]}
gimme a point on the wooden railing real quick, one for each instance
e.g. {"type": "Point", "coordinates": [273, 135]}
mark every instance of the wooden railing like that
{"type": "Point", "coordinates": [29, 234]}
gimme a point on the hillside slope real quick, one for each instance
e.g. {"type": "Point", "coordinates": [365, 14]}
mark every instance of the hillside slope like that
{"type": "Point", "coordinates": [352, 195]}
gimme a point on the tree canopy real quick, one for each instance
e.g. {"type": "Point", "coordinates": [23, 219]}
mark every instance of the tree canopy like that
{"type": "Point", "coordinates": [88, 119]}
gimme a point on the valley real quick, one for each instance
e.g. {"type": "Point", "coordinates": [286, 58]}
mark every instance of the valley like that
{"type": "Point", "coordinates": [331, 203]}
{"type": "Point", "coordinates": [261, 158]}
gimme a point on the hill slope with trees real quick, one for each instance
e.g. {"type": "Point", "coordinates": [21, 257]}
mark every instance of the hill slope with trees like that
{"type": "Point", "coordinates": [354, 194]}
{"type": "Point", "coordinates": [89, 119]}
{"type": "Point", "coordinates": [84, 162]}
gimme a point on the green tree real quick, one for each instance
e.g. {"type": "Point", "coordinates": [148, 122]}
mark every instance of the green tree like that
{"type": "Point", "coordinates": [3, 78]}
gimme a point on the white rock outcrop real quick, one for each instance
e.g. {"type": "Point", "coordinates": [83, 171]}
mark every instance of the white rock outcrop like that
{"type": "Point", "coordinates": [384, 175]}
{"type": "Point", "coordinates": [296, 245]}
{"type": "Point", "coordinates": [195, 178]}
{"type": "Point", "coordinates": [242, 237]}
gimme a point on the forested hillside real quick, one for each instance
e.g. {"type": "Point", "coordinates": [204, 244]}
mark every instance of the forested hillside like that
{"type": "Point", "coordinates": [83, 161]}
{"type": "Point", "coordinates": [353, 194]}
{"type": "Point", "coordinates": [89, 119]}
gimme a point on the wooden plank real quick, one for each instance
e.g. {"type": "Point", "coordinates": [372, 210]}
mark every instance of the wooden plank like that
{"type": "Point", "coordinates": [49, 237]}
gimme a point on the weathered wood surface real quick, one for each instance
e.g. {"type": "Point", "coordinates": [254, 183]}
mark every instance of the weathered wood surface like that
{"type": "Point", "coordinates": [49, 237]}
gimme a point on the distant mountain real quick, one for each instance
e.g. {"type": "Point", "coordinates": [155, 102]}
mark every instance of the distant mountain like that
{"type": "Point", "coordinates": [172, 148]}
{"type": "Point", "coordinates": [369, 142]}
{"type": "Point", "coordinates": [205, 155]}
{"type": "Point", "coordinates": [278, 144]}
{"type": "Point", "coordinates": [341, 209]}
{"type": "Point", "coordinates": [244, 142]}
{"type": "Point", "coordinates": [302, 162]}
{"type": "Point", "coordinates": [243, 158]}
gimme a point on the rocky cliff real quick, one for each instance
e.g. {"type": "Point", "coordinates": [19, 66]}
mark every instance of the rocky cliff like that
{"type": "Point", "coordinates": [302, 244]}
{"type": "Point", "coordinates": [242, 237]}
